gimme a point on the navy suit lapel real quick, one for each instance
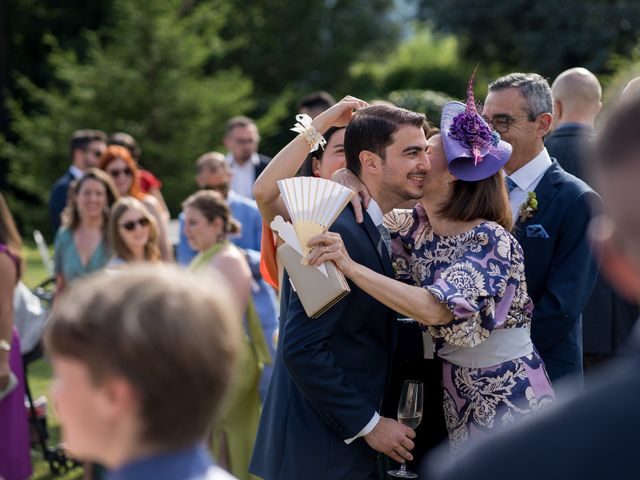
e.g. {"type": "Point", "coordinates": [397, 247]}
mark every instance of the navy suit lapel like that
{"type": "Point", "coordinates": [374, 236]}
{"type": "Point", "coordinates": [545, 191]}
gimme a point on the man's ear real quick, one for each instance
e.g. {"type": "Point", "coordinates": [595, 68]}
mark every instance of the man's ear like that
{"type": "Point", "coordinates": [370, 162]}
{"type": "Point", "coordinates": [557, 109]}
{"type": "Point", "coordinates": [227, 142]}
{"type": "Point", "coordinates": [118, 399]}
{"type": "Point", "coordinates": [544, 121]}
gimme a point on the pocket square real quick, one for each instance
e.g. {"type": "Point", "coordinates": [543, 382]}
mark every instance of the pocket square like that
{"type": "Point", "coordinates": [536, 231]}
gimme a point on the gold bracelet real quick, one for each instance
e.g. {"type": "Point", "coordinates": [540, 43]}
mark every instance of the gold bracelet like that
{"type": "Point", "coordinates": [312, 136]}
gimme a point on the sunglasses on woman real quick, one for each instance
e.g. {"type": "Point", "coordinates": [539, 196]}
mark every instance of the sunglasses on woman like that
{"type": "Point", "coordinates": [116, 172]}
{"type": "Point", "coordinates": [130, 226]}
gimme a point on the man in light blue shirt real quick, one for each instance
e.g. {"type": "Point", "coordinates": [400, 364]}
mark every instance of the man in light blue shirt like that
{"type": "Point", "coordinates": [214, 173]}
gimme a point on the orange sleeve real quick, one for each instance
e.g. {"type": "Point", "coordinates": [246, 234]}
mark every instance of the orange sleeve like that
{"type": "Point", "coordinates": [268, 261]}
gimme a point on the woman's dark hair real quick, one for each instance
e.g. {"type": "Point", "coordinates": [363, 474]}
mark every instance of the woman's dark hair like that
{"type": "Point", "coordinates": [306, 170]}
{"type": "Point", "coordinates": [213, 205]}
{"type": "Point", "coordinates": [486, 199]}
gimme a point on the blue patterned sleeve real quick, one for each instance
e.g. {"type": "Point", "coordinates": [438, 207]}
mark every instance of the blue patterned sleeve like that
{"type": "Point", "coordinates": [477, 288]}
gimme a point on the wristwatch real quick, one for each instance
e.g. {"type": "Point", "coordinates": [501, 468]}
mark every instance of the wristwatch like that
{"type": "Point", "coordinates": [4, 345]}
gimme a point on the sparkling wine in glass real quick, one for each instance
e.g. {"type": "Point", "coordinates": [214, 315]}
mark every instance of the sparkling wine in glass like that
{"type": "Point", "coordinates": [409, 414]}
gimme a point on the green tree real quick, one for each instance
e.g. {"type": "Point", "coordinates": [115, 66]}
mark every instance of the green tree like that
{"type": "Point", "coordinates": [545, 36]}
{"type": "Point", "coordinates": [147, 74]}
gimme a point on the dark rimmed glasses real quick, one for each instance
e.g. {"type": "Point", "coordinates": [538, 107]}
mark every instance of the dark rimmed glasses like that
{"type": "Point", "coordinates": [130, 226]}
{"type": "Point", "coordinates": [502, 123]}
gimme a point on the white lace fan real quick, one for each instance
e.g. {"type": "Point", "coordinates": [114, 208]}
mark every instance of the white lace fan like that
{"type": "Point", "coordinates": [313, 205]}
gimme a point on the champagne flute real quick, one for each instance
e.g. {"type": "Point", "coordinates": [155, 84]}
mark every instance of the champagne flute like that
{"type": "Point", "coordinates": [409, 414]}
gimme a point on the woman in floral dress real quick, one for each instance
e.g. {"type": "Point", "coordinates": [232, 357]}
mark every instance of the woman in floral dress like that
{"type": "Point", "coordinates": [462, 274]}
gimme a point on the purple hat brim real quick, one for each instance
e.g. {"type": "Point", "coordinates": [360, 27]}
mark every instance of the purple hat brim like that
{"type": "Point", "coordinates": [460, 157]}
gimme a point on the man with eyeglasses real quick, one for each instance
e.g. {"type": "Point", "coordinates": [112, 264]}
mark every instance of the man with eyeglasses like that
{"type": "Point", "coordinates": [213, 173]}
{"type": "Point", "coordinates": [551, 211]}
{"type": "Point", "coordinates": [85, 148]}
{"type": "Point", "coordinates": [241, 139]}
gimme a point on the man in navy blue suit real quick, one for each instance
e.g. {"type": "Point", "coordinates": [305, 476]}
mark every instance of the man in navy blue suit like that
{"type": "Point", "coordinates": [321, 419]}
{"type": "Point", "coordinates": [85, 148]}
{"type": "Point", "coordinates": [593, 435]}
{"type": "Point", "coordinates": [607, 318]}
{"type": "Point", "coordinates": [552, 210]}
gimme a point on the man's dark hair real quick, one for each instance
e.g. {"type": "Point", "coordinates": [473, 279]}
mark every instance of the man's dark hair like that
{"type": "Point", "coordinates": [372, 129]}
{"type": "Point", "coordinates": [314, 100]}
{"type": "Point", "coordinates": [127, 141]}
{"type": "Point", "coordinates": [80, 139]}
{"type": "Point", "coordinates": [239, 121]}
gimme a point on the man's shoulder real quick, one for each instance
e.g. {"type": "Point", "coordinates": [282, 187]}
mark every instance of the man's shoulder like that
{"type": "Point", "coordinates": [568, 184]}
{"type": "Point", "coordinates": [62, 181]}
{"type": "Point", "coordinates": [246, 204]}
{"type": "Point", "coordinates": [264, 159]}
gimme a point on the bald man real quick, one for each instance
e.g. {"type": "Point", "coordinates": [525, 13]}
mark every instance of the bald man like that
{"type": "Point", "coordinates": [607, 317]}
{"type": "Point", "coordinates": [577, 98]}
{"type": "Point", "coordinates": [631, 90]}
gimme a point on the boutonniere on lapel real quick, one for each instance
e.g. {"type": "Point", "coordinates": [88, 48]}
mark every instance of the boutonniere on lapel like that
{"type": "Point", "coordinates": [528, 208]}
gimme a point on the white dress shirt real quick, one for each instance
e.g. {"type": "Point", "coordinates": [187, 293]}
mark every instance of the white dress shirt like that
{"type": "Point", "coordinates": [375, 212]}
{"type": "Point", "coordinates": [75, 172]}
{"type": "Point", "coordinates": [244, 176]}
{"type": "Point", "coordinates": [527, 178]}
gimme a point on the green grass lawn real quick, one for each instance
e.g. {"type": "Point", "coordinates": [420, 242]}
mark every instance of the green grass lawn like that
{"type": "Point", "coordinates": [39, 375]}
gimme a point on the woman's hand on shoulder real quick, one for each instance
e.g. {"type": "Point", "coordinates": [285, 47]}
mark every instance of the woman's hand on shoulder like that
{"type": "Point", "coordinates": [362, 197]}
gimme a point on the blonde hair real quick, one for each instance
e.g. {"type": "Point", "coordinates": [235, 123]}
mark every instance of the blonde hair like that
{"type": "Point", "coordinates": [151, 249]}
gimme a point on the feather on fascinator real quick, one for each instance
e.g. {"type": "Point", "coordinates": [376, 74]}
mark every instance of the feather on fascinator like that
{"type": "Point", "coordinates": [474, 152]}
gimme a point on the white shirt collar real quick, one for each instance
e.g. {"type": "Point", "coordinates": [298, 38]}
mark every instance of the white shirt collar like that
{"type": "Point", "coordinates": [75, 171]}
{"type": "Point", "coordinates": [528, 173]}
{"type": "Point", "coordinates": [255, 159]}
{"type": "Point", "coordinates": [375, 212]}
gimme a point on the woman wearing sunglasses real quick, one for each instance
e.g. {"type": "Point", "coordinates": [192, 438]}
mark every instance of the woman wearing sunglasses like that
{"type": "Point", "coordinates": [133, 233]}
{"type": "Point", "coordinates": [119, 164]}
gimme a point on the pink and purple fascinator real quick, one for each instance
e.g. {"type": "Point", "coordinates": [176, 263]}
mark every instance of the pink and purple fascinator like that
{"type": "Point", "coordinates": [474, 152]}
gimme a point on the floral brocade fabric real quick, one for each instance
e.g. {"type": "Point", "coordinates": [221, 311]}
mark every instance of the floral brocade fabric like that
{"type": "Point", "coordinates": [479, 276]}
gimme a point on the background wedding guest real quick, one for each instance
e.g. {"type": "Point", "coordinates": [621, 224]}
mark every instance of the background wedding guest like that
{"type": "Point", "coordinates": [15, 461]}
{"type": "Point", "coordinates": [607, 318]}
{"type": "Point", "coordinates": [119, 164]}
{"type": "Point", "coordinates": [315, 103]}
{"type": "Point", "coordinates": [594, 433]}
{"type": "Point", "coordinates": [85, 148]}
{"type": "Point", "coordinates": [551, 210]}
{"type": "Point", "coordinates": [81, 245]}
{"type": "Point", "coordinates": [213, 173]}
{"type": "Point", "coordinates": [133, 234]}
{"type": "Point", "coordinates": [241, 139]}
{"type": "Point", "coordinates": [208, 222]}
{"type": "Point", "coordinates": [149, 183]}
{"type": "Point", "coordinates": [142, 366]}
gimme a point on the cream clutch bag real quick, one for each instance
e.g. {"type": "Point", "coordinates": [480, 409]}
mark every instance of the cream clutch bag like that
{"type": "Point", "coordinates": [317, 292]}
